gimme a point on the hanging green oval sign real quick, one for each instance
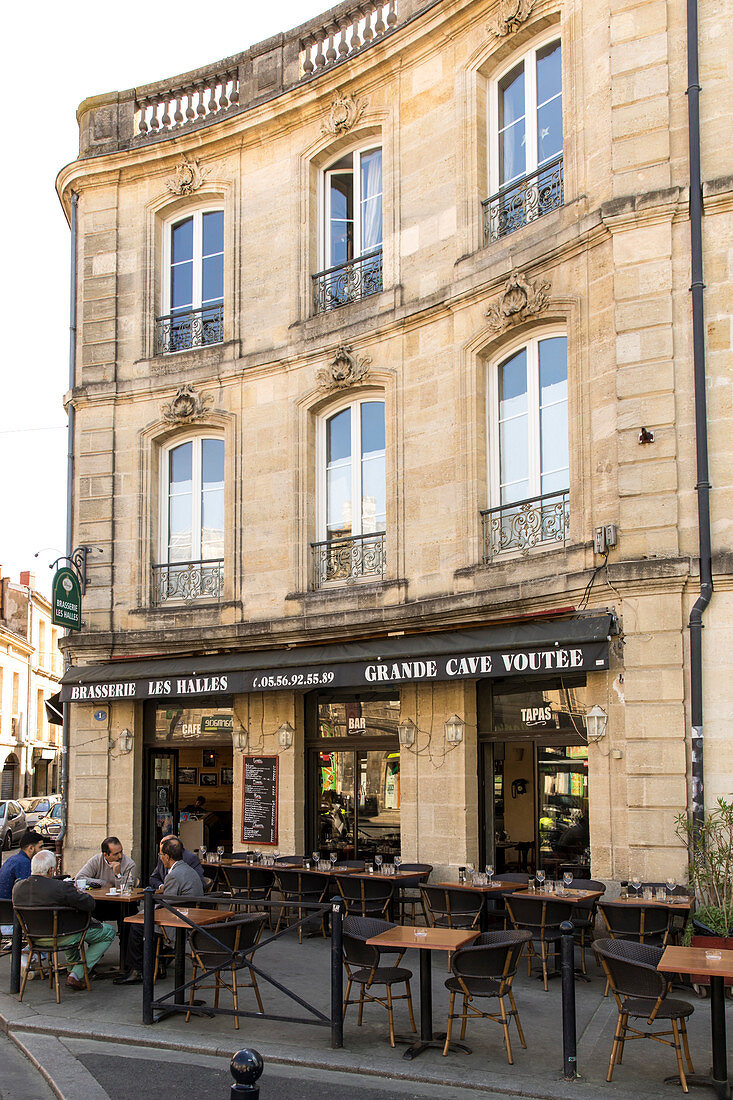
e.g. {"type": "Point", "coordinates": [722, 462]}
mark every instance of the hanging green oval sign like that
{"type": "Point", "coordinates": [66, 600]}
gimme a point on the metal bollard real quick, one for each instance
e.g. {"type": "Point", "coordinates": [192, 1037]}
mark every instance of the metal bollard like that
{"type": "Point", "coordinates": [148, 955]}
{"type": "Point", "coordinates": [337, 974]}
{"type": "Point", "coordinates": [246, 1067]}
{"type": "Point", "coordinates": [567, 970]}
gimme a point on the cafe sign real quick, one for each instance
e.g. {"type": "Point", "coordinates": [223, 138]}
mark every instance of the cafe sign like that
{"type": "Point", "coordinates": [66, 600]}
{"type": "Point", "coordinates": [548, 660]}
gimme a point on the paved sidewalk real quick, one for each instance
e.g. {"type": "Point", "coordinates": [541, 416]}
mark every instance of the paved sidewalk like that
{"type": "Point", "coordinates": [19, 1078]}
{"type": "Point", "coordinates": [59, 1037]}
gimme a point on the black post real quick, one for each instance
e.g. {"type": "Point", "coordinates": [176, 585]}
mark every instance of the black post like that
{"type": "Point", "coordinates": [337, 974]}
{"type": "Point", "coordinates": [717, 1019]}
{"type": "Point", "coordinates": [567, 968]}
{"type": "Point", "coordinates": [16, 949]}
{"type": "Point", "coordinates": [246, 1068]}
{"type": "Point", "coordinates": [148, 954]}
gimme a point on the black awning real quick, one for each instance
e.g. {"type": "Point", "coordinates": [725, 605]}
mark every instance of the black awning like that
{"type": "Point", "coordinates": [527, 648]}
{"type": "Point", "coordinates": [55, 709]}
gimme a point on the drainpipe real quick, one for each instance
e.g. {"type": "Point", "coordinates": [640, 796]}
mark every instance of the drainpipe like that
{"type": "Point", "coordinates": [701, 431]}
{"type": "Point", "coordinates": [65, 729]}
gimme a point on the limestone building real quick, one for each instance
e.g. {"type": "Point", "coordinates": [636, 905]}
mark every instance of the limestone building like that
{"type": "Point", "coordinates": [385, 422]}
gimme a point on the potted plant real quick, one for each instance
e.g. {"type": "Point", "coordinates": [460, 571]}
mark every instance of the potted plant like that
{"type": "Point", "coordinates": [710, 844]}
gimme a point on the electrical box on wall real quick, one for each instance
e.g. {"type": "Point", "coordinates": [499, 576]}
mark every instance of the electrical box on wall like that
{"type": "Point", "coordinates": [605, 538]}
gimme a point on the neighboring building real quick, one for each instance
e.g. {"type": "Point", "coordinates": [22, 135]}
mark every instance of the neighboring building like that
{"type": "Point", "coordinates": [30, 672]}
{"type": "Point", "coordinates": [379, 323]}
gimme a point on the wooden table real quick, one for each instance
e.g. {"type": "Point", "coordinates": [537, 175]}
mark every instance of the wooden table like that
{"type": "Point", "coordinates": [693, 960]}
{"type": "Point", "coordinates": [573, 897]}
{"type": "Point", "coordinates": [496, 887]}
{"type": "Point", "coordinates": [676, 903]}
{"type": "Point", "coordinates": [431, 939]}
{"type": "Point", "coordinates": [119, 904]}
{"type": "Point", "coordinates": [165, 919]}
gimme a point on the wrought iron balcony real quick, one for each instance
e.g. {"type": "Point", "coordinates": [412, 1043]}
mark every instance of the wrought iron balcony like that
{"type": "Point", "coordinates": [187, 581]}
{"type": "Point", "coordinates": [336, 286]}
{"type": "Point", "coordinates": [526, 524]}
{"type": "Point", "coordinates": [348, 559]}
{"type": "Point", "coordinates": [196, 328]}
{"type": "Point", "coordinates": [522, 202]}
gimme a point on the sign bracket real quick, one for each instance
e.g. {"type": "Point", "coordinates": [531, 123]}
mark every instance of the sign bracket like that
{"type": "Point", "coordinates": [78, 560]}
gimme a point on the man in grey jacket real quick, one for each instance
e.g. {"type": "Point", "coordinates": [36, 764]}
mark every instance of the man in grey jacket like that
{"type": "Point", "coordinates": [181, 881]}
{"type": "Point", "coordinates": [156, 879]}
{"type": "Point", "coordinates": [111, 867]}
{"type": "Point", "coordinates": [41, 889]}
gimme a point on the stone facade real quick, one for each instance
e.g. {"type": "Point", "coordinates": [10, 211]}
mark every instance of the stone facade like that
{"type": "Point", "coordinates": [611, 270]}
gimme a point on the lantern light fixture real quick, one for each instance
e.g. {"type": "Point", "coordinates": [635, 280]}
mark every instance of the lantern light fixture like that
{"type": "Point", "coordinates": [406, 733]}
{"type": "Point", "coordinates": [125, 742]}
{"type": "Point", "coordinates": [240, 739]}
{"type": "Point", "coordinates": [596, 720]}
{"type": "Point", "coordinates": [455, 728]}
{"type": "Point", "coordinates": [285, 735]}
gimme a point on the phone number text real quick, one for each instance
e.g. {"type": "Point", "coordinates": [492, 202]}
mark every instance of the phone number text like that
{"type": "Point", "coordinates": [292, 679]}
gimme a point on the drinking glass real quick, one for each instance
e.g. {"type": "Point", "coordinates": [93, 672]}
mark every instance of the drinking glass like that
{"type": "Point", "coordinates": [540, 876]}
{"type": "Point", "coordinates": [397, 862]}
{"type": "Point", "coordinates": [489, 872]}
{"type": "Point", "coordinates": [315, 856]}
{"type": "Point", "coordinates": [648, 893]}
{"type": "Point", "coordinates": [671, 885]}
{"type": "Point", "coordinates": [202, 854]}
{"type": "Point", "coordinates": [470, 872]}
{"type": "Point", "coordinates": [567, 879]}
{"type": "Point", "coordinates": [636, 885]}
{"type": "Point", "coordinates": [661, 893]}
{"type": "Point", "coordinates": [333, 856]}
{"type": "Point", "coordinates": [378, 861]}
{"type": "Point", "coordinates": [220, 851]}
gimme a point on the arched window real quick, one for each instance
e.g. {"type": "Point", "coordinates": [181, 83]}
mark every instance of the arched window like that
{"type": "Point", "coordinates": [351, 237]}
{"type": "Point", "coordinates": [352, 495]}
{"type": "Point", "coordinates": [528, 446]}
{"type": "Point", "coordinates": [525, 141]}
{"type": "Point", "coordinates": [193, 282]}
{"type": "Point", "coordinates": [191, 520]}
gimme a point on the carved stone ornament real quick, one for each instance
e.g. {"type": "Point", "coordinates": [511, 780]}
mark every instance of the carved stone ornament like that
{"type": "Point", "coordinates": [520, 300]}
{"type": "Point", "coordinates": [345, 112]}
{"type": "Point", "coordinates": [188, 178]}
{"type": "Point", "coordinates": [344, 370]}
{"type": "Point", "coordinates": [512, 13]}
{"type": "Point", "coordinates": [187, 406]}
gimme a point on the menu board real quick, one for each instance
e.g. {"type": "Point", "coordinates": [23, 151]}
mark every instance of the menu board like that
{"type": "Point", "coordinates": [259, 800]}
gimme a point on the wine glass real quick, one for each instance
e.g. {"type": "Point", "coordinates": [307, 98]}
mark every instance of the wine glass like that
{"type": "Point", "coordinates": [489, 872]}
{"type": "Point", "coordinates": [636, 884]}
{"type": "Point", "coordinates": [202, 854]}
{"type": "Point", "coordinates": [397, 862]}
{"type": "Point", "coordinates": [540, 876]}
{"type": "Point", "coordinates": [378, 861]}
{"type": "Point", "coordinates": [220, 851]}
{"type": "Point", "coordinates": [315, 856]}
{"type": "Point", "coordinates": [470, 872]}
{"type": "Point", "coordinates": [671, 885]}
{"type": "Point", "coordinates": [567, 879]}
{"type": "Point", "coordinates": [333, 856]}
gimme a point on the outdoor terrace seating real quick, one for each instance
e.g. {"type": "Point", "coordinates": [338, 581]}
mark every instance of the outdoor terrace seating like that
{"type": "Point", "coordinates": [542, 918]}
{"type": "Point", "coordinates": [363, 967]}
{"type": "Point", "coordinates": [228, 954]}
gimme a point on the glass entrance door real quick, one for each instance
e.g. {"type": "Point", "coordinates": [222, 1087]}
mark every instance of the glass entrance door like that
{"type": "Point", "coordinates": [161, 802]}
{"type": "Point", "coordinates": [357, 794]}
{"type": "Point", "coordinates": [562, 788]}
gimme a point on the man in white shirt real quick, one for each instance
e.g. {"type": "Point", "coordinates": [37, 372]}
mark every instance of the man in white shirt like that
{"type": "Point", "coordinates": [111, 867]}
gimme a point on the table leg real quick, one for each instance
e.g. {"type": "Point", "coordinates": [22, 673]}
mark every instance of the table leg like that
{"type": "Point", "coordinates": [179, 972]}
{"type": "Point", "coordinates": [718, 1078]}
{"type": "Point", "coordinates": [428, 1038]}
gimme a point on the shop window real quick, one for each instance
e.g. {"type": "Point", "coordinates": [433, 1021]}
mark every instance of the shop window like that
{"type": "Point", "coordinates": [352, 496]}
{"type": "Point", "coordinates": [351, 246]}
{"type": "Point", "coordinates": [525, 141]}
{"type": "Point", "coordinates": [193, 283]}
{"type": "Point", "coordinates": [191, 521]}
{"type": "Point", "coordinates": [528, 448]}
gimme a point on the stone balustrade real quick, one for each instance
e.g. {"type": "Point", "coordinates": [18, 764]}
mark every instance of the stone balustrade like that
{"type": "Point", "coordinates": [191, 102]}
{"type": "Point", "coordinates": [345, 35]}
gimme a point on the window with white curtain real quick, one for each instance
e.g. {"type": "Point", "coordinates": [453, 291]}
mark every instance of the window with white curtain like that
{"type": "Point", "coordinates": [352, 476]}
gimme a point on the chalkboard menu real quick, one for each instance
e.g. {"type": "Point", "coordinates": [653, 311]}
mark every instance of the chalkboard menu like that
{"type": "Point", "coordinates": [259, 800]}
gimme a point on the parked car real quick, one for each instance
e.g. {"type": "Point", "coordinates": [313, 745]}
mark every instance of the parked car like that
{"type": "Point", "coordinates": [50, 825]}
{"type": "Point", "coordinates": [12, 822]}
{"type": "Point", "coordinates": [38, 807]}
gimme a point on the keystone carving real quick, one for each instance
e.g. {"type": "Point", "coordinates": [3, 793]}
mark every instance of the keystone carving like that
{"type": "Point", "coordinates": [512, 13]}
{"type": "Point", "coordinates": [345, 112]}
{"type": "Point", "coordinates": [520, 300]}
{"type": "Point", "coordinates": [344, 370]}
{"type": "Point", "coordinates": [187, 406]}
{"type": "Point", "coordinates": [188, 177]}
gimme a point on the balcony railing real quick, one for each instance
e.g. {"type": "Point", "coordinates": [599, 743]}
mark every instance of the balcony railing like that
{"type": "Point", "coordinates": [209, 95]}
{"type": "Point", "coordinates": [196, 328]}
{"type": "Point", "coordinates": [346, 34]}
{"type": "Point", "coordinates": [522, 202]}
{"type": "Point", "coordinates": [526, 524]}
{"type": "Point", "coordinates": [348, 559]}
{"type": "Point", "coordinates": [187, 581]}
{"type": "Point", "coordinates": [347, 282]}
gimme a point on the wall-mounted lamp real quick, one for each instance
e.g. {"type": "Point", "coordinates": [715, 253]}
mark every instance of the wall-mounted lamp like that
{"type": "Point", "coordinates": [125, 742]}
{"type": "Point", "coordinates": [240, 739]}
{"type": "Point", "coordinates": [406, 733]}
{"type": "Point", "coordinates": [596, 720]}
{"type": "Point", "coordinates": [285, 735]}
{"type": "Point", "coordinates": [454, 729]}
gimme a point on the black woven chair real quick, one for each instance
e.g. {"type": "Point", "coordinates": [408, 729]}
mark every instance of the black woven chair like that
{"type": "Point", "coordinates": [232, 952]}
{"type": "Point", "coordinates": [410, 897]}
{"type": "Point", "coordinates": [584, 915]}
{"type": "Point", "coordinates": [297, 861]}
{"type": "Point", "coordinates": [486, 968]}
{"type": "Point", "coordinates": [449, 907]}
{"type": "Point", "coordinates": [50, 926]}
{"type": "Point", "coordinates": [253, 882]}
{"type": "Point", "coordinates": [365, 897]}
{"type": "Point", "coordinates": [363, 967]}
{"type": "Point", "coordinates": [541, 916]}
{"type": "Point", "coordinates": [6, 920]}
{"type": "Point", "coordinates": [641, 993]}
{"type": "Point", "coordinates": [640, 923]}
{"type": "Point", "coordinates": [351, 865]}
{"type": "Point", "coordinates": [297, 887]}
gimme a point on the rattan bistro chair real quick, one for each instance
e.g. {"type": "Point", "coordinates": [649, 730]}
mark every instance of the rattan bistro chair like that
{"type": "Point", "coordinates": [363, 967]}
{"type": "Point", "coordinates": [253, 882]}
{"type": "Point", "coordinates": [451, 908]}
{"type": "Point", "coordinates": [641, 923]}
{"type": "Point", "coordinates": [541, 916]}
{"type": "Point", "coordinates": [232, 952]}
{"type": "Point", "coordinates": [51, 927]}
{"type": "Point", "coordinates": [584, 915]}
{"type": "Point", "coordinates": [296, 888]}
{"type": "Point", "coordinates": [410, 896]}
{"type": "Point", "coordinates": [365, 897]}
{"type": "Point", "coordinates": [486, 968]}
{"type": "Point", "coordinates": [641, 993]}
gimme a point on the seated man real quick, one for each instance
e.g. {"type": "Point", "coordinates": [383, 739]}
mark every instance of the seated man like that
{"type": "Point", "coordinates": [181, 881]}
{"type": "Point", "coordinates": [42, 889]}
{"type": "Point", "coordinates": [17, 867]}
{"type": "Point", "coordinates": [156, 879]}
{"type": "Point", "coordinates": [111, 867]}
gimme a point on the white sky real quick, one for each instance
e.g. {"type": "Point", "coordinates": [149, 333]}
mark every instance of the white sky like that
{"type": "Point", "coordinates": [55, 56]}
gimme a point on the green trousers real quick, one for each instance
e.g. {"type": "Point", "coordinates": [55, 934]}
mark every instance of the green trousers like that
{"type": "Point", "coordinates": [96, 942]}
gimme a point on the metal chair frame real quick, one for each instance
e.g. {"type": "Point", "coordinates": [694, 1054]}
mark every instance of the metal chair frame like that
{"type": "Point", "coordinates": [361, 961]}
{"type": "Point", "coordinates": [240, 957]}
{"type": "Point", "coordinates": [545, 930]}
{"type": "Point", "coordinates": [299, 886]}
{"type": "Point", "coordinates": [56, 932]}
